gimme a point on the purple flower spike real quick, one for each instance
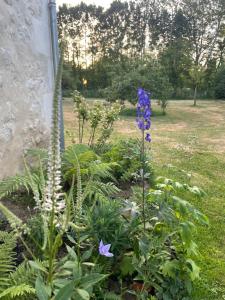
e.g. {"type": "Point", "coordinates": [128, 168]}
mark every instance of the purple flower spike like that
{"type": "Point", "coordinates": [148, 137]}
{"type": "Point", "coordinates": [144, 112]}
{"type": "Point", "coordinates": [104, 249]}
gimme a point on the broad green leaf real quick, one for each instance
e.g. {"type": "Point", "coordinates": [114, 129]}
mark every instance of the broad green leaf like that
{"type": "Point", "coordinates": [41, 289]}
{"type": "Point", "coordinates": [65, 292]}
{"type": "Point", "coordinates": [186, 232]}
{"type": "Point", "coordinates": [90, 280]}
{"type": "Point", "coordinates": [71, 252]}
{"type": "Point", "coordinates": [170, 267]}
{"type": "Point", "coordinates": [194, 269]}
{"type": "Point", "coordinates": [87, 254]}
{"type": "Point", "coordinates": [84, 295]}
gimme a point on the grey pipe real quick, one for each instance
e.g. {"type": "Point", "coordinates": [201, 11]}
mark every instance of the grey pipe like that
{"type": "Point", "coordinates": [55, 54]}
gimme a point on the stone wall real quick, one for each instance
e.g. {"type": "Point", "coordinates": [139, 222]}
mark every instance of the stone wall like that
{"type": "Point", "coordinates": [26, 80]}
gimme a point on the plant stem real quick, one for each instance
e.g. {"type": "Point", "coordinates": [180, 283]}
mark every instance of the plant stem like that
{"type": "Point", "coordinates": [93, 136]}
{"type": "Point", "coordinates": [143, 178]}
{"type": "Point", "coordinates": [89, 142]}
{"type": "Point", "coordinates": [27, 248]}
{"type": "Point", "coordinates": [82, 131]}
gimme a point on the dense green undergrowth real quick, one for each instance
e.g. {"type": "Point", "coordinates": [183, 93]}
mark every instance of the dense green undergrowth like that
{"type": "Point", "coordinates": [103, 225]}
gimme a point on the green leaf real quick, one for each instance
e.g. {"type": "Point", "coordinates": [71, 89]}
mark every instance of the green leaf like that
{"type": "Point", "coordinates": [194, 269]}
{"type": "Point", "coordinates": [83, 294]}
{"type": "Point", "coordinates": [19, 290]}
{"type": "Point", "coordinates": [72, 253]}
{"type": "Point", "coordinates": [65, 292]}
{"type": "Point", "coordinates": [90, 280]}
{"type": "Point", "coordinates": [41, 289]}
{"type": "Point", "coordinates": [87, 254]}
{"type": "Point", "coordinates": [126, 266]}
{"type": "Point", "coordinates": [37, 266]}
{"type": "Point", "coordinates": [186, 232]}
{"type": "Point", "coordinates": [170, 267]}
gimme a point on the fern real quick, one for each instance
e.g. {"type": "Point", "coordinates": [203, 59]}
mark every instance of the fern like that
{"type": "Point", "coordinates": [37, 153]}
{"type": "Point", "coordinates": [31, 180]}
{"type": "Point", "coordinates": [13, 220]}
{"type": "Point", "coordinates": [97, 190]}
{"type": "Point", "coordinates": [13, 184]}
{"type": "Point", "coordinates": [23, 274]}
{"type": "Point", "coordinates": [16, 291]}
{"type": "Point", "coordinates": [101, 170]}
{"type": "Point", "coordinates": [7, 258]}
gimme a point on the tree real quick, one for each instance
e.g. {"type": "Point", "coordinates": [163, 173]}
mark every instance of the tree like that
{"type": "Point", "coordinates": [220, 83]}
{"type": "Point", "coordinates": [196, 74]}
{"type": "Point", "coordinates": [147, 73]}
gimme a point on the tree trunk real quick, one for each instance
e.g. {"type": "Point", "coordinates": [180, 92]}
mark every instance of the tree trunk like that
{"type": "Point", "coordinates": [195, 96]}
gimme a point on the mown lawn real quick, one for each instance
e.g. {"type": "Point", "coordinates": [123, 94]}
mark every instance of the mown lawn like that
{"type": "Point", "coordinates": [190, 139]}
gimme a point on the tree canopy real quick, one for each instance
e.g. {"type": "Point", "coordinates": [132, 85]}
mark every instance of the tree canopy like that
{"type": "Point", "coordinates": [103, 46]}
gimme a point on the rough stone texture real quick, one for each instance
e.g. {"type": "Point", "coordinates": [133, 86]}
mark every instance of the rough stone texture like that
{"type": "Point", "coordinates": [26, 80]}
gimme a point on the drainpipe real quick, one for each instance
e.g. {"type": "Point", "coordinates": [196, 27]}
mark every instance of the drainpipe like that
{"type": "Point", "coordinates": [55, 54]}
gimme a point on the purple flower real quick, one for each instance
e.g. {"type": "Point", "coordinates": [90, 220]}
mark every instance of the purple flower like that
{"type": "Point", "coordinates": [144, 112]}
{"type": "Point", "coordinates": [148, 137]}
{"type": "Point", "coordinates": [104, 249]}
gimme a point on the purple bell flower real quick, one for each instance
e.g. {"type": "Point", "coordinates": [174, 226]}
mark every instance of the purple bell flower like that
{"type": "Point", "coordinates": [148, 137]}
{"type": "Point", "coordinates": [104, 249]}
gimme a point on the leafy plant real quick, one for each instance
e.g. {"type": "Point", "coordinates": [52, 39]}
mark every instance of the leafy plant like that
{"type": "Point", "coordinates": [111, 114]}
{"type": "Point", "coordinates": [96, 175]}
{"type": "Point", "coordinates": [33, 179]}
{"type": "Point", "coordinates": [74, 277]}
{"type": "Point", "coordinates": [82, 112]}
{"type": "Point", "coordinates": [15, 283]}
{"type": "Point", "coordinates": [126, 154]}
{"type": "Point", "coordinates": [164, 255]}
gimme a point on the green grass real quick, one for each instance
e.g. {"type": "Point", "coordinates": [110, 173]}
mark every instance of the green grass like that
{"type": "Point", "coordinates": [191, 139]}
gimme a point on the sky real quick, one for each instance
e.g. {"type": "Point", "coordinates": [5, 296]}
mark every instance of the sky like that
{"type": "Point", "coordinates": [104, 3]}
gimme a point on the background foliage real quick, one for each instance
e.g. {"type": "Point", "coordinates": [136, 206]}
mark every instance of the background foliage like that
{"type": "Point", "coordinates": [154, 44]}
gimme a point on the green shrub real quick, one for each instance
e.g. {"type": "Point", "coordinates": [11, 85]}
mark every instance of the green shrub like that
{"type": "Point", "coordinates": [126, 153]}
{"type": "Point", "coordinates": [220, 83]}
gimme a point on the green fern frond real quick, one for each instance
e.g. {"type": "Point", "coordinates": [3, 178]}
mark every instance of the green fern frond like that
{"type": "Point", "coordinates": [38, 153]}
{"type": "Point", "coordinates": [13, 220]}
{"type": "Point", "coordinates": [17, 291]}
{"type": "Point", "coordinates": [13, 184]}
{"type": "Point", "coordinates": [97, 190]}
{"type": "Point", "coordinates": [33, 181]}
{"type": "Point", "coordinates": [23, 274]}
{"type": "Point", "coordinates": [7, 258]}
{"type": "Point", "coordinates": [101, 170]}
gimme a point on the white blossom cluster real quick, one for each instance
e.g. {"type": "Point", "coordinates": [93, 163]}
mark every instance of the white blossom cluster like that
{"type": "Point", "coordinates": [54, 201]}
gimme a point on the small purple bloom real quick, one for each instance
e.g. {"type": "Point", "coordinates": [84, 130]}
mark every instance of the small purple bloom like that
{"type": "Point", "coordinates": [148, 137]}
{"type": "Point", "coordinates": [104, 249]}
{"type": "Point", "coordinates": [140, 124]}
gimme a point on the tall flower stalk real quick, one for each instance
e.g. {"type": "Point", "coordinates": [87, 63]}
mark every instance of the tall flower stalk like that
{"type": "Point", "coordinates": [144, 124]}
{"type": "Point", "coordinates": [53, 204]}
